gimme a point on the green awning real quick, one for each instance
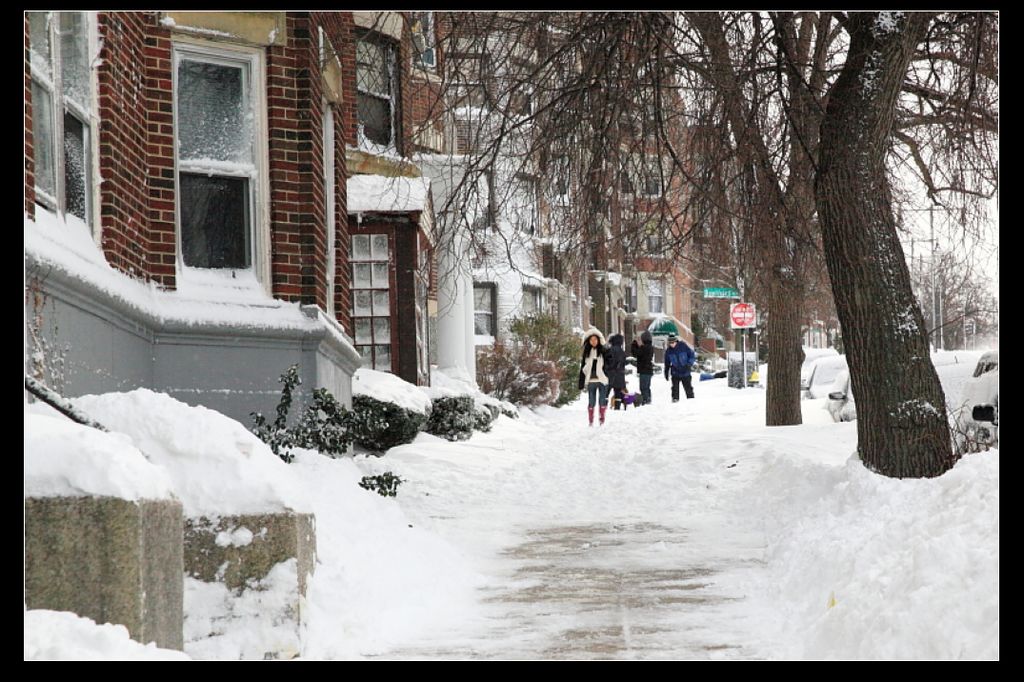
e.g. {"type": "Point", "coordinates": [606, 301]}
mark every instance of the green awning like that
{"type": "Point", "coordinates": [663, 326]}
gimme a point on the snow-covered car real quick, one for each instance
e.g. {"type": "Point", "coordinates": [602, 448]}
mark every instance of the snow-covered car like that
{"type": "Point", "coordinates": [823, 372]}
{"type": "Point", "coordinates": [840, 399]}
{"type": "Point", "coordinates": [976, 422]}
{"type": "Point", "coordinates": [812, 355]}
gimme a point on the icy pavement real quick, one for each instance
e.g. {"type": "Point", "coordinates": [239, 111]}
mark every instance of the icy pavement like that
{"type": "Point", "coordinates": [622, 541]}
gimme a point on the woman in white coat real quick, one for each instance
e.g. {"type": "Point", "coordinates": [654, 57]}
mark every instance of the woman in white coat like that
{"type": "Point", "coordinates": [592, 374]}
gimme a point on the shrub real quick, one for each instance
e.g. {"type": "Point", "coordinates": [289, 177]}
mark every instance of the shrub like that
{"type": "Point", "coordinates": [545, 337]}
{"type": "Point", "coordinates": [517, 374]}
{"type": "Point", "coordinates": [325, 425]}
{"type": "Point", "coordinates": [484, 416]}
{"type": "Point", "coordinates": [379, 426]}
{"type": "Point", "coordinates": [386, 484]}
{"type": "Point", "coordinates": [452, 418]}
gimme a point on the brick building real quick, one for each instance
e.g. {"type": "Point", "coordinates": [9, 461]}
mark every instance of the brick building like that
{"type": "Point", "coordinates": [202, 160]}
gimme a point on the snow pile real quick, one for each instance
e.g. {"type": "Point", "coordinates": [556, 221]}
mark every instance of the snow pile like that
{"type": "Point", "coordinates": [63, 458]}
{"type": "Point", "coordinates": [63, 636]}
{"type": "Point", "coordinates": [860, 566]}
{"type": "Point", "coordinates": [217, 465]}
{"type": "Point", "coordinates": [388, 388]}
{"type": "Point", "coordinates": [220, 624]}
{"type": "Point", "coordinates": [367, 193]}
{"type": "Point", "coordinates": [380, 578]}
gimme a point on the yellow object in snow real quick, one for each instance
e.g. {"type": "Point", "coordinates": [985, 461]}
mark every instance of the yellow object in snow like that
{"type": "Point", "coordinates": [831, 599]}
{"type": "Point", "coordinates": [754, 377]}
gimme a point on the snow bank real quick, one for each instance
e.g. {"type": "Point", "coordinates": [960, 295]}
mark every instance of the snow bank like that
{"type": "Point", "coordinates": [217, 465]}
{"type": "Point", "coordinates": [389, 388]}
{"type": "Point", "coordinates": [860, 566]}
{"type": "Point", "coordinates": [64, 636]}
{"type": "Point", "coordinates": [222, 625]}
{"type": "Point", "coordinates": [63, 458]}
{"type": "Point", "coordinates": [380, 579]}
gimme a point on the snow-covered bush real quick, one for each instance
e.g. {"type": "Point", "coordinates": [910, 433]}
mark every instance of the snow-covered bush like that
{"type": "Point", "coordinates": [452, 417]}
{"type": "Point", "coordinates": [514, 372]}
{"type": "Point", "coordinates": [484, 416]}
{"type": "Point", "coordinates": [325, 425]}
{"type": "Point", "coordinates": [378, 425]}
{"type": "Point", "coordinates": [386, 485]}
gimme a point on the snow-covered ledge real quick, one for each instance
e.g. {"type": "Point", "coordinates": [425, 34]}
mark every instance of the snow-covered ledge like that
{"type": "Point", "coordinates": [112, 332]}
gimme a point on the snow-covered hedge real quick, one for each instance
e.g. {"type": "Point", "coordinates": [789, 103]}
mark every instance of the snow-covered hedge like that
{"type": "Point", "coordinates": [380, 425]}
{"type": "Point", "coordinates": [453, 417]}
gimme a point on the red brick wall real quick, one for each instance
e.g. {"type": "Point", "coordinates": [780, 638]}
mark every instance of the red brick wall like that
{"type": "Point", "coordinates": [125, 123]}
{"type": "Point", "coordinates": [285, 182]}
{"type": "Point", "coordinates": [30, 167]}
{"type": "Point", "coordinates": [160, 154]}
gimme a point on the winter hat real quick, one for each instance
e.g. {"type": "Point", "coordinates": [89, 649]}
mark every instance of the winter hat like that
{"type": "Point", "coordinates": [617, 340]}
{"type": "Point", "coordinates": [673, 337]}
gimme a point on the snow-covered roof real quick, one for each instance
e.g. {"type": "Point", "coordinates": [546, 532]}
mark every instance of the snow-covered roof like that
{"type": "Point", "coordinates": [383, 194]}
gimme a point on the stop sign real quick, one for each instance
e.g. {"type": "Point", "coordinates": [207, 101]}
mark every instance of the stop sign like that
{"type": "Point", "coordinates": [742, 315]}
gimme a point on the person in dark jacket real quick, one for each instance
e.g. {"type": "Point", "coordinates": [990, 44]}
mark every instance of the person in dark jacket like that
{"type": "Point", "coordinates": [678, 359]}
{"type": "Point", "coordinates": [644, 354]}
{"type": "Point", "coordinates": [592, 372]}
{"type": "Point", "coordinates": [615, 368]}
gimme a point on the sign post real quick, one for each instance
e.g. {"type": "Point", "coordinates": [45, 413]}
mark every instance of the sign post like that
{"type": "Point", "coordinates": [743, 316]}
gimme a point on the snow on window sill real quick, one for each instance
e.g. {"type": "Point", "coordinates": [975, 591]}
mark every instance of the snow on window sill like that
{"type": "Point", "coordinates": [222, 286]}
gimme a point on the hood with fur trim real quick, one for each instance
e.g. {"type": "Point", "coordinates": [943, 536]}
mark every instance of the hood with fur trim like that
{"type": "Point", "coordinates": [593, 331]}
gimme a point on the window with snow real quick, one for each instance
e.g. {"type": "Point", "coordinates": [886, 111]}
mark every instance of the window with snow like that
{"type": "Point", "coordinates": [655, 296]}
{"type": "Point", "coordinates": [62, 110]}
{"type": "Point", "coordinates": [377, 89]}
{"type": "Point", "coordinates": [484, 310]}
{"type": "Point", "coordinates": [216, 153]}
{"type": "Point", "coordinates": [371, 299]}
{"type": "Point", "coordinates": [423, 40]}
{"type": "Point", "coordinates": [533, 301]}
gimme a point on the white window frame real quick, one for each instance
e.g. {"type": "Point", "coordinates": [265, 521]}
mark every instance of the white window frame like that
{"type": "Point", "coordinates": [391, 50]}
{"type": "Point", "coordinates": [330, 186]}
{"type": "Point", "coordinates": [536, 296]}
{"type": "Point", "coordinates": [491, 314]}
{"type": "Point", "coordinates": [655, 291]}
{"type": "Point", "coordinates": [391, 315]}
{"type": "Point", "coordinates": [252, 59]}
{"type": "Point", "coordinates": [58, 103]}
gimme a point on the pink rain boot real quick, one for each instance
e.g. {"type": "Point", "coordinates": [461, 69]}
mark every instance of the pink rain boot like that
{"type": "Point", "coordinates": [590, 414]}
{"type": "Point", "coordinates": [603, 408]}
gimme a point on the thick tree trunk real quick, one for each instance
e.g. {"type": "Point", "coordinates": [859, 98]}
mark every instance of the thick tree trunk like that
{"type": "Point", "coordinates": [782, 407]}
{"type": "Point", "coordinates": [901, 416]}
{"type": "Point", "coordinates": [768, 226]}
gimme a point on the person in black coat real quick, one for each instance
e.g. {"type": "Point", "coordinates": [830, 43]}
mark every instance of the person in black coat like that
{"type": "Point", "coordinates": [644, 354]}
{"type": "Point", "coordinates": [615, 368]}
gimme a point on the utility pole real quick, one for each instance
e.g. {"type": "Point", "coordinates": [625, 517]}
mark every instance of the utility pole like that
{"type": "Point", "coordinates": [936, 298]}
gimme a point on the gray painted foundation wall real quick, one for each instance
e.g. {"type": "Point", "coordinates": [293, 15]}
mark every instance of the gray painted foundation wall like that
{"type": "Point", "coordinates": [94, 344]}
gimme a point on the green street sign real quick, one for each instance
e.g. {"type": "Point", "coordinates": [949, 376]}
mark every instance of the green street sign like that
{"type": "Point", "coordinates": [720, 292]}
